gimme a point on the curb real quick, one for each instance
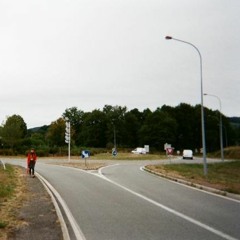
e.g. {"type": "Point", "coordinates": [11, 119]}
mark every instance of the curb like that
{"type": "Point", "coordinates": [195, 185]}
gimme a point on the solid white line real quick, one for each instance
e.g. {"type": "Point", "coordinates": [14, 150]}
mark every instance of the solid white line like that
{"type": "Point", "coordinates": [76, 229]}
{"type": "Point", "coordinates": [202, 225]}
{"type": "Point", "coordinates": [58, 211]}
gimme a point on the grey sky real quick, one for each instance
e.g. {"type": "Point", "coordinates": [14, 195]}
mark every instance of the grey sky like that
{"type": "Point", "coordinates": [57, 54]}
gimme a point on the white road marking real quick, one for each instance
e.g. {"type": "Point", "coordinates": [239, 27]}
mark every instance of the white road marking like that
{"type": "Point", "coordinates": [76, 229]}
{"type": "Point", "coordinates": [189, 219]}
{"type": "Point", "coordinates": [58, 211]}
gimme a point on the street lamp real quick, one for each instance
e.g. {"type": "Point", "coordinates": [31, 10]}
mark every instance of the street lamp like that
{"type": "Point", "coordinates": [220, 124]}
{"type": "Point", "coordinates": [202, 108]}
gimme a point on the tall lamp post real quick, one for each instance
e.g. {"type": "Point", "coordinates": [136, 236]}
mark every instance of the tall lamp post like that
{"type": "Point", "coordinates": [202, 108]}
{"type": "Point", "coordinates": [220, 124]}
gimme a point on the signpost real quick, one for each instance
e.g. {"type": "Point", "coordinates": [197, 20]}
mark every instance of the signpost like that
{"type": "Point", "coordinates": [68, 137]}
{"type": "Point", "coordinates": [114, 152]}
{"type": "Point", "coordinates": [169, 150]}
{"type": "Point", "coordinates": [85, 155]}
{"type": "Point", "coordinates": [166, 145]}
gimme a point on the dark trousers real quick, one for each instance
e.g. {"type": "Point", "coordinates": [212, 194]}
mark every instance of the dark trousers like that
{"type": "Point", "coordinates": [31, 167]}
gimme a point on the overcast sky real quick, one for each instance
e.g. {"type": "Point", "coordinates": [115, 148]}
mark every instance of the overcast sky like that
{"type": "Point", "coordinates": [57, 54]}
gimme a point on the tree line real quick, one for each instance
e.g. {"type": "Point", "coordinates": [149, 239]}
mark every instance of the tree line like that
{"type": "Point", "coordinates": [179, 126]}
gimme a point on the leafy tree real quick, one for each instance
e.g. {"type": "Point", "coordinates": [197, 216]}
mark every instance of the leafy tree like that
{"type": "Point", "coordinates": [75, 117]}
{"type": "Point", "coordinates": [158, 129]}
{"type": "Point", "coordinates": [131, 129]}
{"type": "Point", "coordinates": [212, 130]}
{"type": "Point", "coordinates": [94, 129]}
{"type": "Point", "coordinates": [115, 119]}
{"type": "Point", "coordinates": [14, 130]}
{"type": "Point", "coordinates": [56, 133]}
{"type": "Point", "coordinates": [184, 115]}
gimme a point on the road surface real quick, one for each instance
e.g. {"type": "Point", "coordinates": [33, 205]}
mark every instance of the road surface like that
{"type": "Point", "coordinates": [123, 202]}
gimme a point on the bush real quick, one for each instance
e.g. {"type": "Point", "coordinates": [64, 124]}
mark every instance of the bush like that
{"type": "Point", "coordinates": [7, 152]}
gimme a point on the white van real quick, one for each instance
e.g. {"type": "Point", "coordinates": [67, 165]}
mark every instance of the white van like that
{"type": "Point", "coordinates": [139, 150]}
{"type": "Point", "coordinates": [187, 154]}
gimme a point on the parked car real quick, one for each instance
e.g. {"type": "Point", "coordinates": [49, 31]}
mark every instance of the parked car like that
{"type": "Point", "coordinates": [187, 154]}
{"type": "Point", "coordinates": [139, 150]}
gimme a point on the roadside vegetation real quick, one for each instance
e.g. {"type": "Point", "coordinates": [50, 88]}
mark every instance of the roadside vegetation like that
{"type": "Point", "coordinates": [102, 129]}
{"type": "Point", "coordinates": [224, 176]}
{"type": "Point", "coordinates": [12, 193]}
{"type": "Point", "coordinates": [127, 156]}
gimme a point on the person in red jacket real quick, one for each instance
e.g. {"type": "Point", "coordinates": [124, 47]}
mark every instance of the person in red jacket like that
{"type": "Point", "coordinates": [31, 161]}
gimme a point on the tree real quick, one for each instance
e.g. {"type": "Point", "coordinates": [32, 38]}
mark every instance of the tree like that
{"type": "Point", "coordinates": [94, 129]}
{"type": "Point", "coordinates": [56, 133]}
{"type": "Point", "coordinates": [115, 120]}
{"type": "Point", "coordinates": [14, 130]}
{"type": "Point", "coordinates": [75, 117]}
{"type": "Point", "coordinates": [158, 129]}
{"type": "Point", "coordinates": [131, 129]}
{"type": "Point", "coordinates": [184, 115]}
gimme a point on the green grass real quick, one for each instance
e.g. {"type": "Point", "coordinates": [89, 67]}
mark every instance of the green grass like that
{"type": "Point", "coordinates": [7, 183]}
{"type": "Point", "coordinates": [225, 176]}
{"type": "Point", "coordinates": [7, 187]}
{"type": "Point", "coordinates": [3, 224]}
{"type": "Point", "coordinates": [127, 156]}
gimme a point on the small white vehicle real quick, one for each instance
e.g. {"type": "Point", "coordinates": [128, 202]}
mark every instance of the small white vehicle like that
{"type": "Point", "coordinates": [139, 150]}
{"type": "Point", "coordinates": [187, 154]}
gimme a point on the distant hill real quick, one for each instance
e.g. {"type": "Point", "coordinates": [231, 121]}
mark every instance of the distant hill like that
{"type": "Point", "coordinates": [39, 129]}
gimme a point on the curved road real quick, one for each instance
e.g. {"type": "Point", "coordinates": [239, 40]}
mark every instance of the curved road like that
{"type": "Point", "coordinates": [123, 202]}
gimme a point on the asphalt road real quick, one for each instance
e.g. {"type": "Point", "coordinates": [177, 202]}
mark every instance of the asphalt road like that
{"type": "Point", "coordinates": [123, 202]}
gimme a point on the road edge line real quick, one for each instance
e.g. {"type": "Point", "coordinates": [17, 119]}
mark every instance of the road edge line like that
{"type": "Point", "coordinates": [76, 229]}
{"type": "Point", "coordinates": [57, 208]}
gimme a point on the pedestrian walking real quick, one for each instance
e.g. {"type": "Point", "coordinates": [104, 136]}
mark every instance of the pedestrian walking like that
{"type": "Point", "coordinates": [31, 161]}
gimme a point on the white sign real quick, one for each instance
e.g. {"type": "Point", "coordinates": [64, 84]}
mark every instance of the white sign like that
{"type": "Point", "coordinates": [166, 145]}
{"type": "Point", "coordinates": [146, 148]}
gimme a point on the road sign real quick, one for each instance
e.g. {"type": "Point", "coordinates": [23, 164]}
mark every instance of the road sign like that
{"type": "Point", "coordinates": [114, 152]}
{"type": "Point", "coordinates": [85, 154]}
{"type": "Point", "coordinates": [166, 145]}
{"type": "Point", "coordinates": [67, 132]}
{"type": "Point", "coordinates": [169, 151]}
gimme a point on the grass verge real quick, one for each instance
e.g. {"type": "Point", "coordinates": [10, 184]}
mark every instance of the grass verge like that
{"type": "Point", "coordinates": [223, 176]}
{"type": "Point", "coordinates": [127, 156]}
{"type": "Point", "coordinates": [7, 182]}
{"type": "Point", "coordinates": [12, 193]}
